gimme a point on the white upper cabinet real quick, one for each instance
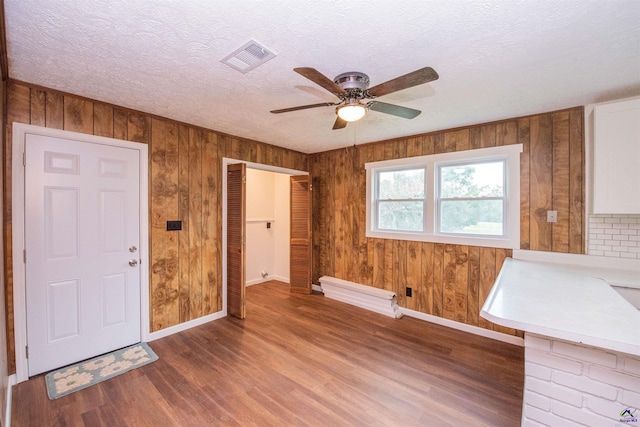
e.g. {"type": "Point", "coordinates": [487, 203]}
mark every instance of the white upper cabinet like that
{"type": "Point", "coordinates": [616, 157]}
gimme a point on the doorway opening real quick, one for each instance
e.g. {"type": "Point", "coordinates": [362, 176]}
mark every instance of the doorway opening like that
{"type": "Point", "coordinates": [267, 227]}
{"type": "Point", "coordinates": [254, 226]}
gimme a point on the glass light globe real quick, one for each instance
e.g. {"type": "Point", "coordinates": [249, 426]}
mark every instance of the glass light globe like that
{"type": "Point", "coordinates": [351, 112]}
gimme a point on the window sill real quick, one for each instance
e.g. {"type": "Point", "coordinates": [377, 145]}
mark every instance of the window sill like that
{"type": "Point", "coordinates": [453, 240]}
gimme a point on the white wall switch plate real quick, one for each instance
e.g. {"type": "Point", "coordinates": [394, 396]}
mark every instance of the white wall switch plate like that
{"type": "Point", "coordinates": [552, 216]}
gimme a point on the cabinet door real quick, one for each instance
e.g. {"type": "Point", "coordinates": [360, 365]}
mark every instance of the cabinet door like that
{"type": "Point", "coordinates": [616, 179]}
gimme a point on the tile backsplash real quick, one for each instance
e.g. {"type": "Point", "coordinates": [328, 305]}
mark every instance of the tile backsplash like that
{"type": "Point", "coordinates": [614, 236]}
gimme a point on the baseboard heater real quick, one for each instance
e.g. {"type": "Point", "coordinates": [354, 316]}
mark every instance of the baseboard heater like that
{"type": "Point", "coordinates": [374, 299]}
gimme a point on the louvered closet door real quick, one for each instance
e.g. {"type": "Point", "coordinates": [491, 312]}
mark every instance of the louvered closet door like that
{"type": "Point", "coordinates": [236, 189]}
{"type": "Point", "coordinates": [300, 245]}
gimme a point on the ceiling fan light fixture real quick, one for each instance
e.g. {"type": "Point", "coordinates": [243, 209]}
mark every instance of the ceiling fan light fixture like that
{"type": "Point", "coordinates": [351, 112]}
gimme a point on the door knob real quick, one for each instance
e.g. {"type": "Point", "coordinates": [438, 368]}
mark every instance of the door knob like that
{"type": "Point", "coordinates": [132, 249]}
{"type": "Point", "coordinates": [133, 262]}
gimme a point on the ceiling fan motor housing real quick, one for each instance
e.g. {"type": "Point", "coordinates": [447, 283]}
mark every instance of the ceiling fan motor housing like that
{"type": "Point", "coordinates": [353, 80]}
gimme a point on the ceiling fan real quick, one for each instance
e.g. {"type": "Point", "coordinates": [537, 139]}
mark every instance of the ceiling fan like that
{"type": "Point", "coordinates": [352, 89]}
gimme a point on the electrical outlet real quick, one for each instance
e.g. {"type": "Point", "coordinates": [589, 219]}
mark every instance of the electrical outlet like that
{"type": "Point", "coordinates": [552, 216]}
{"type": "Point", "coordinates": [408, 291]}
{"type": "Point", "coordinates": [174, 225]}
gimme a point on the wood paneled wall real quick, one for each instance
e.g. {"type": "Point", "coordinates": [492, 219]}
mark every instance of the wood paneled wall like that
{"type": "Point", "coordinates": [185, 184]}
{"type": "Point", "coordinates": [450, 281]}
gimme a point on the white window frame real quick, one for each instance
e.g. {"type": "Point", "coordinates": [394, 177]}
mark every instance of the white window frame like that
{"type": "Point", "coordinates": [376, 190]}
{"type": "Point", "coordinates": [439, 199]}
{"type": "Point", "coordinates": [509, 153]}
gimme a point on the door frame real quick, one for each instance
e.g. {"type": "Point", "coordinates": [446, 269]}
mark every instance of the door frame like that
{"type": "Point", "coordinates": [20, 131]}
{"type": "Point", "coordinates": [250, 165]}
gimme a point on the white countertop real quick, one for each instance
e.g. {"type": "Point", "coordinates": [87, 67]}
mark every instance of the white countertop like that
{"type": "Point", "coordinates": [564, 304]}
{"type": "Point", "coordinates": [621, 272]}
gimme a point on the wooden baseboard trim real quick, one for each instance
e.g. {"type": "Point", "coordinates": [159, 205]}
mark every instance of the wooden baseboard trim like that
{"type": "Point", "coordinates": [464, 327]}
{"type": "Point", "coordinates": [374, 299]}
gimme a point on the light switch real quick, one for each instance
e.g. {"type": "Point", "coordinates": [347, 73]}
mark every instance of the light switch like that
{"type": "Point", "coordinates": [552, 216]}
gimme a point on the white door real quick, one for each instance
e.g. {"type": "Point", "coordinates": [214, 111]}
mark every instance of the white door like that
{"type": "Point", "coordinates": [82, 237]}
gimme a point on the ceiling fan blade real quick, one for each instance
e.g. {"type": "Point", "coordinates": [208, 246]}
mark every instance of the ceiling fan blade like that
{"type": "Point", "coordinates": [339, 124]}
{"type": "Point", "coordinates": [304, 107]}
{"type": "Point", "coordinates": [395, 110]}
{"type": "Point", "coordinates": [320, 79]}
{"type": "Point", "coordinates": [415, 78]}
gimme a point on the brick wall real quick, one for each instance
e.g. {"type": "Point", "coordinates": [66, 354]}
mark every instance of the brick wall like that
{"type": "Point", "coordinates": [614, 236]}
{"type": "Point", "coordinates": [574, 385]}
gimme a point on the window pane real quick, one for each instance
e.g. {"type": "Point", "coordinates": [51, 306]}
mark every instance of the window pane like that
{"type": "Point", "coordinates": [475, 180]}
{"type": "Point", "coordinates": [472, 217]}
{"type": "Point", "coordinates": [402, 184]}
{"type": "Point", "coordinates": [402, 216]}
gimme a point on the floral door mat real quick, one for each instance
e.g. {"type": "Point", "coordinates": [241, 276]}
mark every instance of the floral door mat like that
{"type": "Point", "coordinates": [89, 372]}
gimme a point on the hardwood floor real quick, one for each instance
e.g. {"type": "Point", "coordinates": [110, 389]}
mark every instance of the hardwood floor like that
{"type": "Point", "coordinates": [300, 360]}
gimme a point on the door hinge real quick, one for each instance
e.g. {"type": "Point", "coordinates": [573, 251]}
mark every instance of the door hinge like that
{"type": "Point", "coordinates": [24, 256]}
{"type": "Point", "coordinates": [244, 239]}
{"type": "Point", "coordinates": [26, 350]}
{"type": "Point", "coordinates": [244, 179]}
{"type": "Point", "coordinates": [24, 158]}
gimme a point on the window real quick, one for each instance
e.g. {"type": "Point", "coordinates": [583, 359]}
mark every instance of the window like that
{"type": "Point", "coordinates": [471, 198]}
{"type": "Point", "coordinates": [467, 197]}
{"type": "Point", "coordinates": [400, 199]}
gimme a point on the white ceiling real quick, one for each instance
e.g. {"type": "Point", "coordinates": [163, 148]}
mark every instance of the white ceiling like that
{"type": "Point", "coordinates": [496, 59]}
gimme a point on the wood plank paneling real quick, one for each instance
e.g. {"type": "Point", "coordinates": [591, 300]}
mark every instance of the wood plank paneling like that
{"type": "Point", "coordinates": [414, 274]}
{"type": "Point", "coordinates": [185, 184]}
{"type": "Point", "coordinates": [473, 301]}
{"type": "Point", "coordinates": [560, 181]}
{"type": "Point", "coordinates": [487, 277]}
{"type": "Point", "coordinates": [120, 124]}
{"type": "Point", "coordinates": [576, 182]}
{"type": "Point", "coordinates": [449, 283]}
{"type": "Point", "coordinates": [55, 110]}
{"type": "Point", "coordinates": [78, 115]}
{"type": "Point", "coordinates": [369, 261]}
{"type": "Point", "coordinates": [488, 136]}
{"type": "Point", "coordinates": [18, 104]}
{"type": "Point", "coordinates": [364, 275]}
{"type": "Point", "coordinates": [184, 242]}
{"type": "Point", "coordinates": [38, 107]}
{"type": "Point", "coordinates": [210, 237]}
{"type": "Point", "coordinates": [195, 221]}
{"type": "Point", "coordinates": [172, 209]}
{"type": "Point", "coordinates": [158, 226]}
{"type": "Point", "coordinates": [438, 280]}
{"type": "Point", "coordinates": [378, 262]}
{"type": "Point", "coordinates": [340, 219]}
{"type": "Point", "coordinates": [461, 283]}
{"type": "Point", "coordinates": [454, 280]}
{"type": "Point", "coordinates": [426, 291]}
{"type": "Point", "coordinates": [525, 193]}
{"type": "Point", "coordinates": [540, 182]}
{"type": "Point", "coordinates": [138, 127]}
{"type": "Point", "coordinates": [103, 120]}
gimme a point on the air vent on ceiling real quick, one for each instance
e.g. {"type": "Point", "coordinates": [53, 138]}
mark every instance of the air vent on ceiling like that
{"type": "Point", "coordinates": [248, 57]}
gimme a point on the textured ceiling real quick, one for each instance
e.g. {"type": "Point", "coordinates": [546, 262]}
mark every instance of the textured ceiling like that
{"type": "Point", "coordinates": [496, 59]}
